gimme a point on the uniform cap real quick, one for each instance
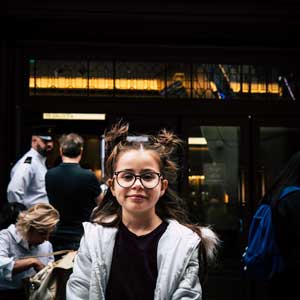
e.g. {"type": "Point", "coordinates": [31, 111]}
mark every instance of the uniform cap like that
{"type": "Point", "coordinates": [43, 132]}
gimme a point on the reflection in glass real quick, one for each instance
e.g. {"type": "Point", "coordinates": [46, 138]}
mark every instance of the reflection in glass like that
{"type": "Point", "coordinates": [139, 79]}
{"type": "Point", "coordinates": [163, 80]}
{"type": "Point", "coordinates": [282, 142]}
{"type": "Point", "coordinates": [214, 196]}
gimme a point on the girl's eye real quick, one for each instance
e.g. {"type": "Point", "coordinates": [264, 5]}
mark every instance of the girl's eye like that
{"type": "Point", "coordinates": [127, 176]}
{"type": "Point", "coordinates": [148, 176]}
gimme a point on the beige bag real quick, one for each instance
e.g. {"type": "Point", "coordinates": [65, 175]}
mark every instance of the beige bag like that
{"type": "Point", "coordinates": [50, 282]}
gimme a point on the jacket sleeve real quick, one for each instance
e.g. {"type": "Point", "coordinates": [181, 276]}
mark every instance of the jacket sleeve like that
{"type": "Point", "coordinates": [78, 284]}
{"type": "Point", "coordinates": [189, 286]}
{"type": "Point", "coordinates": [19, 182]}
{"type": "Point", "coordinates": [6, 262]}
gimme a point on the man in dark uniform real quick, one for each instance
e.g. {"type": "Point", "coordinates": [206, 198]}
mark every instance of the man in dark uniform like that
{"type": "Point", "coordinates": [27, 183]}
{"type": "Point", "coordinates": [73, 191]}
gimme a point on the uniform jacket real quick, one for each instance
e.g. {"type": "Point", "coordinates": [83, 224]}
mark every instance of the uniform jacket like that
{"type": "Point", "coordinates": [27, 184]}
{"type": "Point", "coordinates": [177, 262]}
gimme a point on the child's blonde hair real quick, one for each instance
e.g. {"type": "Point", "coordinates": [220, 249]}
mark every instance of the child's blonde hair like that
{"type": "Point", "coordinates": [41, 217]}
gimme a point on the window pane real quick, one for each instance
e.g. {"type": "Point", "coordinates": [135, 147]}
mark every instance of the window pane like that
{"type": "Point", "coordinates": [101, 78]}
{"type": "Point", "coordinates": [214, 193]}
{"type": "Point", "coordinates": [222, 82]}
{"type": "Point", "coordinates": [136, 79]}
{"type": "Point", "coordinates": [178, 81]}
{"type": "Point", "coordinates": [67, 78]}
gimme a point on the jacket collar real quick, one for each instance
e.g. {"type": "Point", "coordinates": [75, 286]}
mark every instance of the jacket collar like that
{"type": "Point", "coordinates": [17, 236]}
{"type": "Point", "coordinates": [40, 157]}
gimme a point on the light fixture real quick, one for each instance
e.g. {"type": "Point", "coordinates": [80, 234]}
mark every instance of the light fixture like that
{"type": "Point", "coordinates": [197, 141]}
{"type": "Point", "coordinates": [73, 116]}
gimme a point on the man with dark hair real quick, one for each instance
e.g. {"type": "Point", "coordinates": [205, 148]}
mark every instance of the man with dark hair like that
{"type": "Point", "coordinates": [73, 191]}
{"type": "Point", "coordinates": [27, 184]}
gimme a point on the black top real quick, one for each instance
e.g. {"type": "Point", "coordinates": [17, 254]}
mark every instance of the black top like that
{"type": "Point", "coordinates": [72, 191]}
{"type": "Point", "coordinates": [134, 265]}
{"type": "Point", "coordinates": [288, 228]}
{"type": "Point", "coordinates": [286, 215]}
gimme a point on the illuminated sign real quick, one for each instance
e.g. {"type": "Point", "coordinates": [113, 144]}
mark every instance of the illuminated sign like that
{"type": "Point", "coordinates": [73, 116]}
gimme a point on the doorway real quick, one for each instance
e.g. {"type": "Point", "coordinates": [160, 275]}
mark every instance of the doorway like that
{"type": "Point", "coordinates": [225, 170]}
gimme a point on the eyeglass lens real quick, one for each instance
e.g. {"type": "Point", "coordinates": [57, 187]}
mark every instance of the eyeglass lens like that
{"type": "Point", "coordinates": [149, 180]}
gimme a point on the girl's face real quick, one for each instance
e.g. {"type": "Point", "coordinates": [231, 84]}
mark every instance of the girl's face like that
{"type": "Point", "coordinates": [138, 199]}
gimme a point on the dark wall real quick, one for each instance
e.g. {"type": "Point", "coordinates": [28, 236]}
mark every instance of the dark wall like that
{"type": "Point", "coordinates": [211, 23]}
{"type": "Point", "coordinates": [214, 31]}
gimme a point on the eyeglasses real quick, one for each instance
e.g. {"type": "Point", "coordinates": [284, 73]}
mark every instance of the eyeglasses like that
{"type": "Point", "coordinates": [127, 179]}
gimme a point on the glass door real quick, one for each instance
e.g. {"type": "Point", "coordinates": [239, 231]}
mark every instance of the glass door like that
{"type": "Point", "coordinates": [275, 141]}
{"type": "Point", "coordinates": [280, 141]}
{"type": "Point", "coordinates": [213, 178]}
{"type": "Point", "coordinates": [216, 195]}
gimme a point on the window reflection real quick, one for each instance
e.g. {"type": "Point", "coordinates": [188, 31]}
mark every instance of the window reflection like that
{"type": "Point", "coordinates": [152, 79]}
{"type": "Point", "coordinates": [214, 194]}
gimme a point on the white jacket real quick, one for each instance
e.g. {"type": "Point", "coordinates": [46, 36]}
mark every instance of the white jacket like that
{"type": "Point", "coordinates": [177, 262]}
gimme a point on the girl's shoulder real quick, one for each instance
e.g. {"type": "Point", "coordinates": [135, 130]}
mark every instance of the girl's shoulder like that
{"type": "Point", "coordinates": [208, 237]}
{"type": "Point", "coordinates": [179, 229]}
{"type": "Point", "coordinates": [98, 238]}
{"type": "Point", "coordinates": [90, 227]}
{"type": "Point", "coordinates": [206, 232]}
{"type": "Point", "coordinates": [95, 230]}
{"type": "Point", "coordinates": [179, 233]}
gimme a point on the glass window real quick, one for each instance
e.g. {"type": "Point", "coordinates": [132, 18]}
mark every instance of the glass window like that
{"type": "Point", "coordinates": [163, 80]}
{"type": "Point", "coordinates": [101, 78]}
{"type": "Point", "coordinates": [282, 142]}
{"type": "Point", "coordinates": [51, 77]}
{"type": "Point", "coordinates": [138, 79]}
{"type": "Point", "coordinates": [214, 194]}
{"type": "Point", "coordinates": [178, 81]}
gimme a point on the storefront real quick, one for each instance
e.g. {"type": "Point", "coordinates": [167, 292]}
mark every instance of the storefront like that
{"type": "Point", "coordinates": [235, 105]}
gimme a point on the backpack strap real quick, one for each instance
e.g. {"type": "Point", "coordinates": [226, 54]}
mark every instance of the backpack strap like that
{"type": "Point", "coordinates": [288, 190]}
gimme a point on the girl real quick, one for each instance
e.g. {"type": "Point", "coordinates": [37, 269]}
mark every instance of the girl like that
{"type": "Point", "coordinates": [139, 245]}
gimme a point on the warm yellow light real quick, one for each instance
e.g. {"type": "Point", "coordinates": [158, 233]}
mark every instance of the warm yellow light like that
{"type": "Point", "coordinates": [73, 116]}
{"type": "Point", "coordinates": [94, 83]}
{"type": "Point", "coordinates": [196, 179]}
{"type": "Point", "coordinates": [226, 198]}
{"type": "Point", "coordinates": [256, 88]}
{"type": "Point", "coordinates": [98, 173]}
{"type": "Point", "coordinates": [197, 141]}
{"type": "Point", "coordinates": [136, 84]}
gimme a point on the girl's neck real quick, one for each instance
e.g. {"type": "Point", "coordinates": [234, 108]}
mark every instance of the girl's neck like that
{"type": "Point", "coordinates": [141, 224]}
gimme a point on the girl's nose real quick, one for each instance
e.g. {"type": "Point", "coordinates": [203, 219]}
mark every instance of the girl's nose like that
{"type": "Point", "coordinates": [138, 183]}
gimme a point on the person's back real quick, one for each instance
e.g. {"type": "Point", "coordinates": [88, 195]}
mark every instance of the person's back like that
{"type": "Point", "coordinates": [73, 191]}
{"type": "Point", "coordinates": [286, 220]}
{"type": "Point", "coordinates": [288, 233]}
{"type": "Point", "coordinates": [289, 222]}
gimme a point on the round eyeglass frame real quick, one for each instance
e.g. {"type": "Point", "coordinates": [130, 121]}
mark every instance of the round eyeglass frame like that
{"type": "Point", "coordinates": [138, 177]}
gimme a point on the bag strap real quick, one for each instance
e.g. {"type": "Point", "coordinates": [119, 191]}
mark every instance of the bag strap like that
{"type": "Point", "coordinates": [47, 254]}
{"type": "Point", "coordinates": [288, 190]}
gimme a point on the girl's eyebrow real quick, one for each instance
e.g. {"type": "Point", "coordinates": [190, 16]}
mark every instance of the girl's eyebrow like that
{"type": "Point", "coordinates": [142, 171]}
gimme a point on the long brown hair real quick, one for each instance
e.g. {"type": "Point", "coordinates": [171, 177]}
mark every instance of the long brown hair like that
{"type": "Point", "coordinates": [167, 146]}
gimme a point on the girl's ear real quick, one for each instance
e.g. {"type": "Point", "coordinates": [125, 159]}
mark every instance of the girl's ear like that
{"type": "Point", "coordinates": [164, 186]}
{"type": "Point", "coordinates": [110, 183]}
